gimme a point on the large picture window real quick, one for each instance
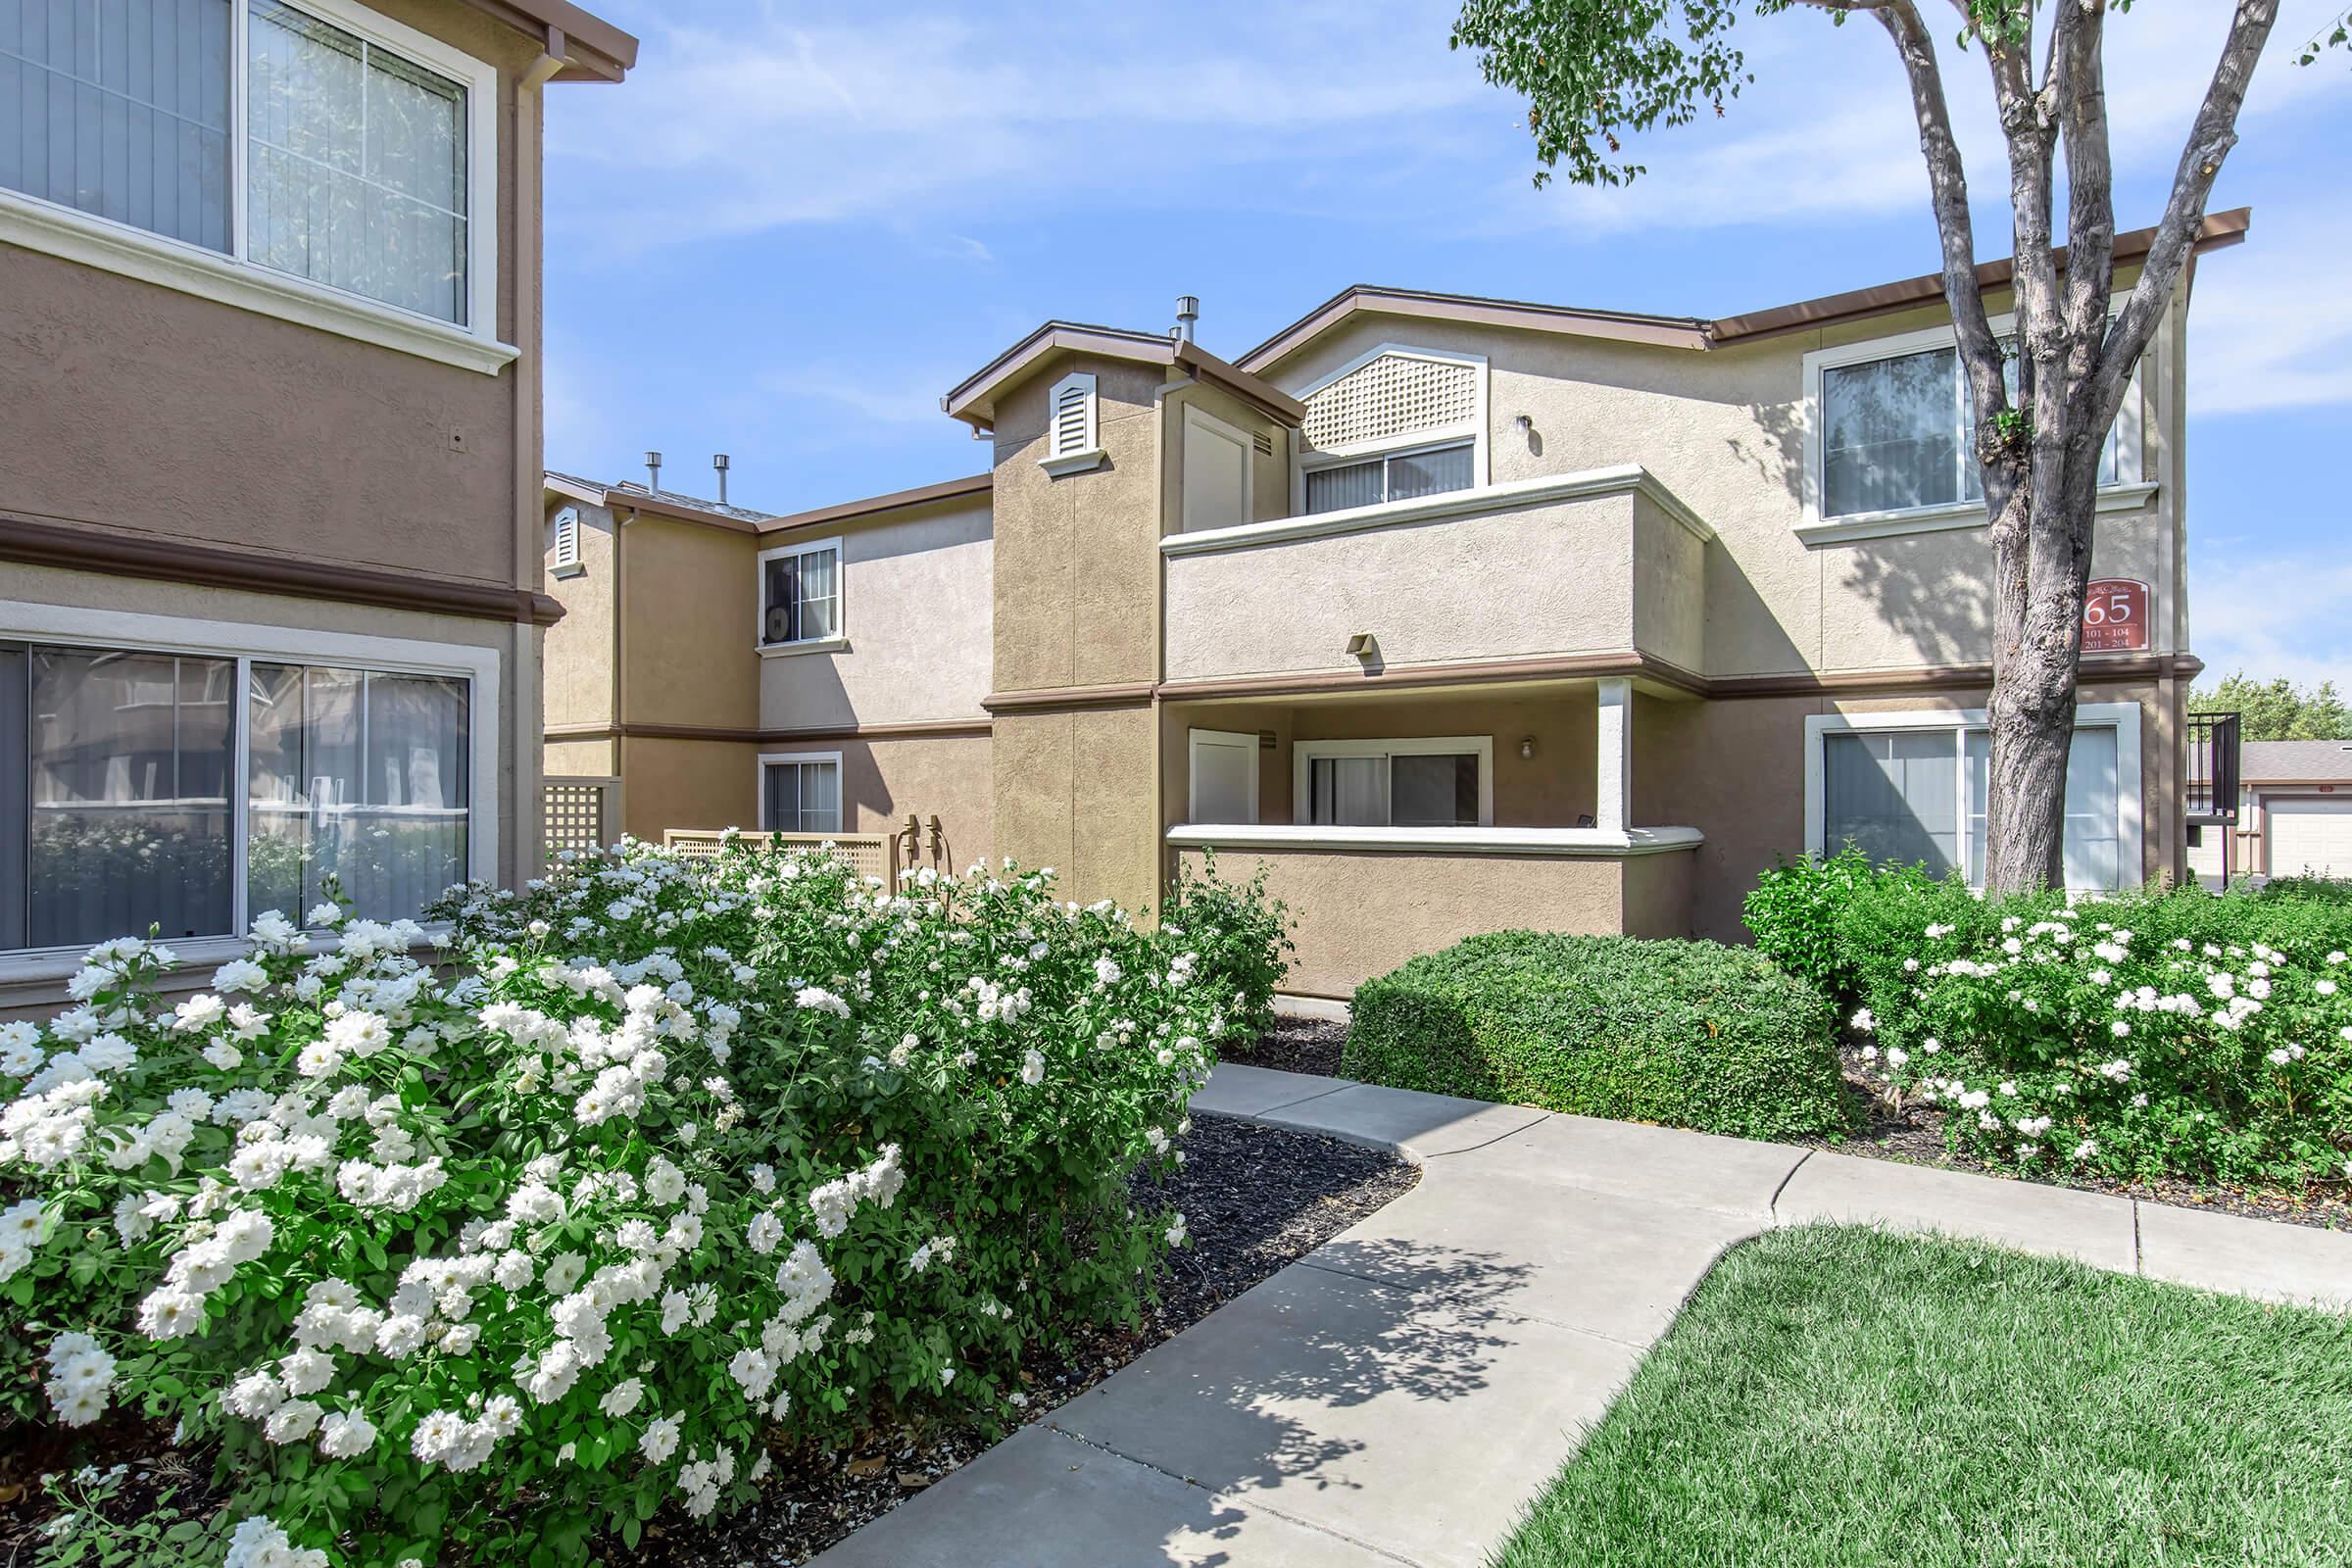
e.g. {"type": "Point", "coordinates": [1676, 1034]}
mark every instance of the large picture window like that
{"type": "Point", "coordinates": [122, 805]}
{"type": "Point", "coordinates": [1918, 795]}
{"type": "Point", "coordinates": [358, 155]}
{"type": "Point", "coordinates": [1893, 430]}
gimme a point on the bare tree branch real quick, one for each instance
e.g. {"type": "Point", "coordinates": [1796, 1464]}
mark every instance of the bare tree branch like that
{"type": "Point", "coordinates": [2210, 137]}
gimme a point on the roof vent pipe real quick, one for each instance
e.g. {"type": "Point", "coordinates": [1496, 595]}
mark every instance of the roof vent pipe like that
{"type": "Point", "coordinates": [1188, 312]}
{"type": "Point", "coordinates": [718, 460]}
{"type": "Point", "coordinates": [653, 471]}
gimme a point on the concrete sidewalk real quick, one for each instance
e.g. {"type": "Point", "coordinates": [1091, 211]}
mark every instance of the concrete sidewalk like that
{"type": "Point", "coordinates": [1398, 1394]}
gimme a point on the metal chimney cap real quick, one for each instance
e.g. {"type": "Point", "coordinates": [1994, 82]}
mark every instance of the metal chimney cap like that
{"type": "Point", "coordinates": [1187, 311]}
{"type": "Point", "coordinates": [718, 460]}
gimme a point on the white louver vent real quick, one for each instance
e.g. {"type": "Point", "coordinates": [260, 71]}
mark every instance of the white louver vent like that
{"type": "Point", "coordinates": [1072, 442]}
{"type": "Point", "coordinates": [1263, 442]}
{"type": "Point", "coordinates": [1391, 397]}
{"type": "Point", "coordinates": [568, 537]}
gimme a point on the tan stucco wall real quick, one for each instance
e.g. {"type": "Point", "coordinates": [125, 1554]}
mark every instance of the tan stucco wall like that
{"type": "Point", "coordinates": [917, 604]}
{"type": "Point", "coordinates": [1269, 488]}
{"type": "Point", "coordinates": [1074, 791]}
{"type": "Point", "coordinates": [1723, 430]}
{"type": "Point", "coordinates": [687, 784]}
{"type": "Point", "coordinates": [578, 684]}
{"type": "Point", "coordinates": [688, 631]}
{"type": "Point", "coordinates": [127, 405]}
{"type": "Point", "coordinates": [1077, 558]}
{"type": "Point", "coordinates": [1552, 578]}
{"type": "Point", "coordinates": [1356, 916]}
{"type": "Point", "coordinates": [949, 777]}
{"type": "Point", "coordinates": [582, 758]}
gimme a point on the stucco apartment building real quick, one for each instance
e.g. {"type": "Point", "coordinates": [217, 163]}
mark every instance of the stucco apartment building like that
{"type": "Point", "coordinates": [1450, 614]}
{"type": "Point", "coordinates": [270, 603]}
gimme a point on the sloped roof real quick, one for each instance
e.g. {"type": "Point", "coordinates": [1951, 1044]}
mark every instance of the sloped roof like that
{"type": "Point", "coordinates": [2261, 762]}
{"type": "Point", "coordinates": [663, 503]}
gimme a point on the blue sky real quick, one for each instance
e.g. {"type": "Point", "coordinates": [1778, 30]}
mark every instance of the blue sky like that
{"type": "Point", "coordinates": [796, 226]}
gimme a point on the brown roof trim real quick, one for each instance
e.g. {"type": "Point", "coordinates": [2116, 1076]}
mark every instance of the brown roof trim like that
{"type": "Point", "coordinates": [973, 399]}
{"type": "Point", "coordinates": [591, 48]}
{"type": "Point", "coordinates": [2095, 669]}
{"type": "Point", "coordinates": [1684, 332]}
{"type": "Point", "coordinates": [918, 729]}
{"type": "Point", "coordinates": [977, 484]}
{"type": "Point", "coordinates": [2219, 229]}
{"type": "Point", "coordinates": [40, 543]}
{"type": "Point", "coordinates": [1633, 326]}
{"type": "Point", "coordinates": [1069, 699]}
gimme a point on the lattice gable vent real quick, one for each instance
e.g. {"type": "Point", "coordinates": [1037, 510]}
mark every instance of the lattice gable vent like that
{"type": "Point", "coordinates": [1389, 397]}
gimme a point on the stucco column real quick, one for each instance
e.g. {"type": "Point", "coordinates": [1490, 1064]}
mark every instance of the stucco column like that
{"type": "Point", "coordinates": [1614, 756]}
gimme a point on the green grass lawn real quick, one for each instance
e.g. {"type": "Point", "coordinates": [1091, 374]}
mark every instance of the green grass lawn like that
{"type": "Point", "coordinates": [1837, 1396]}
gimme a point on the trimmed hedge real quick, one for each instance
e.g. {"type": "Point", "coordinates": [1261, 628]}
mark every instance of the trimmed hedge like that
{"type": "Point", "coordinates": [1686, 1034]}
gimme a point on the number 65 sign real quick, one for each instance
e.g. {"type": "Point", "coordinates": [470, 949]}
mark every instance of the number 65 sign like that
{"type": "Point", "coordinates": [2115, 616]}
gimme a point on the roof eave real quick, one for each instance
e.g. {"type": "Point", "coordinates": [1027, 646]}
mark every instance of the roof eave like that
{"type": "Point", "coordinates": [977, 484]}
{"type": "Point", "coordinates": [590, 48]}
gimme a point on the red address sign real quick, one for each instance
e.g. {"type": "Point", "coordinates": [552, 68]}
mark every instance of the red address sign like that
{"type": "Point", "coordinates": [2115, 616]}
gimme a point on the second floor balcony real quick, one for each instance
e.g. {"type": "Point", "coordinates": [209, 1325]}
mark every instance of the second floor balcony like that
{"type": "Point", "coordinates": [1600, 564]}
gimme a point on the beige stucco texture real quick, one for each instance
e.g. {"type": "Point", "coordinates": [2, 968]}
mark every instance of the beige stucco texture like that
{"type": "Point", "coordinates": [580, 648]}
{"type": "Point", "coordinates": [1724, 431]}
{"type": "Point", "coordinates": [917, 612]}
{"type": "Point", "coordinates": [1585, 575]}
{"type": "Point", "coordinates": [1368, 912]}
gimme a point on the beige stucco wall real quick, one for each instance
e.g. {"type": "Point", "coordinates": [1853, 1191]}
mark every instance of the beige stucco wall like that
{"type": "Point", "coordinates": [598, 758]}
{"type": "Point", "coordinates": [1429, 902]}
{"type": "Point", "coordinates": [127, 405]}
{"type": "Point", "coordinates": [884, 781]}
{"type": "Point", "coordinates": [687, 784]}
{"type": "Point", "coordinates": [1723, 430]}
{"type": "Point", "coordinates": [1074, 791]}
{"type": "Point", "coordinates": [687, 628]}
{"type": "Point", "coordinates": [1076, 562]}
{"type": "Point", "coordinates": [917, 602]}
{"type": "Point", "coordinates": [1557, 577]}
{"type": "Point", "coordinates": [578, 684]}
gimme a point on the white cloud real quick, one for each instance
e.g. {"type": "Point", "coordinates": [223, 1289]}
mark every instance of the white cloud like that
{"type": "Point", "coordinates": [2245, 619]}
{"type": "Point", "coordinates": [904, 396]}
{"type": "Point", "coordinates": [766, 125]}
{"type": "Point", "coordinates": [2271, 327]}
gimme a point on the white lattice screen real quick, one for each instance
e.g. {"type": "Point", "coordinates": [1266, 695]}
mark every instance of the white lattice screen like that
{"type": "Point", "coordinates": [1392, 396]}
{"type": "Point", "coordinates": [575, 811]}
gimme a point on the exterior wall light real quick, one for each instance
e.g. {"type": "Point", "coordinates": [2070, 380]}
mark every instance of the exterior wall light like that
{"type": "Point", "coordinates": [1527, 746]}
{"type": "Point", "coordinates": [1359, 646]}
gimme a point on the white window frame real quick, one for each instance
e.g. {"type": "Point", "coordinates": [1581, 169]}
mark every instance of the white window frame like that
{"type": "Point", "coordinates": [839, 638]}
{"type": "Point", "coordinates": [760, 785]}
{"type": "Point", "coordinates": [1304, 754]}
{"type": "Point", "coordinates": [65, 625]}
{"type": "Point", "coordinates": [2131, 490]}
{"type": "Point", "coordinates": [1412, 441]}
{"type": "Point", "coordinates": [1089, 453]}
{"type": "Point", "coordinates": [234, 279]}
{"type": "Point", "coordinates": [2122, 717]}
{"type": "Point", "coordinates": [1225, 430]}
{"type": "Point", "coordinates": [1226, 736]}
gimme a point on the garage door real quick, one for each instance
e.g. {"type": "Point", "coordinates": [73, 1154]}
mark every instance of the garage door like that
{"type": "Point", "coordinates": [2311, 835]}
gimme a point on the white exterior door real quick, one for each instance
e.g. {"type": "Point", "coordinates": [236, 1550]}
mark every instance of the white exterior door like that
{"type": "Point", "coordinates": [2310, 835]}
{"type": "Point", "coordinates": [1224, 777]}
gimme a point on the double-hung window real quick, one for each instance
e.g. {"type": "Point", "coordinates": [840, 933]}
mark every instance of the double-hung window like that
{"type": "Point", "coordinates": [1893, 430]}
{"type": "Point", "coordinates": [799, 594]}
{"type": "Point", "coordinates": [1438, 782]}
{"type": "Point", "coordinates": [1391, 477]}
{"type": "Point", "coordinates": [191, 791]}
{"type": "Point", "coordinates": [1911, 790]}
{"type": "Point", "coordinates": [799, 792]}
{"type": "Point", "coordinates": [311, 139]}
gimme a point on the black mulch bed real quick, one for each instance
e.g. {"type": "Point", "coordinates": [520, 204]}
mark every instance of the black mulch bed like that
{"type": "Point", "coordinates": [1914, 1135]}
{"type": "Point", "coordinates": [1255, 1199]}
{"type": "Point", "coordinates": [1294, 1045]}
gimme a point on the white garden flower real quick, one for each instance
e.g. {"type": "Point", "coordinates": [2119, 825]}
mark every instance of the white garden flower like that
{"type": "Point", "coordinates": [622, 1398]}
{"type": "Point", "coordinates": [1033, 1067]}
{"type": "Point", "coordinates": [661, 1438]}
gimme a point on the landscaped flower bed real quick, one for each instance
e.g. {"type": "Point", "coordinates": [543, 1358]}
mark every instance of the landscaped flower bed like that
{"type": "Point", "coordinates": [2134, 1036]}
{"type": "Point", "coordinates": [671, 1164]}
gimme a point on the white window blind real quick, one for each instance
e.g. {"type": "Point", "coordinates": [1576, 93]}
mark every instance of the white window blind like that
{"type": "Point", "coordinates": [1918, 797]}
{"type": "Point", "coordinates": [801, 794]}
{"type": "Point", "coordinates": [120, 110]}
{"type": "Point", "coordinates": [1397, 476]}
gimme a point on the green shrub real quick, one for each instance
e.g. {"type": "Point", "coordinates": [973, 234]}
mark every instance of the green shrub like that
{"type": "Point", "coordinates": [1792, 913]}
{"type": "Point", "coordinates": [1688, 1034]}
{"type": "Point", "coordinates": [2310, 889]}
{"type": "Point", "coordinates": [1240, 937]}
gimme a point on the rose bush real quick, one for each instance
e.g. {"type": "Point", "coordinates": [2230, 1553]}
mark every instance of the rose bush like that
{"type": "Point", "coordinates": [667, 1164]}
{"type": "Point", "coordinates": [2135, 1034]}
